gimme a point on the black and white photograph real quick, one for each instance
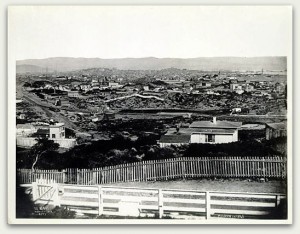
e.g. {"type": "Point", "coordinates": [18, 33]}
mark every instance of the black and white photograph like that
{"type": "Point", "coordinates": [150, 114]}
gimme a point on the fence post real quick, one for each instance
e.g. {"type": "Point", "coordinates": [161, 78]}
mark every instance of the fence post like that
{"type": "Point", "coordinates": [283, 168]}
{"type": "Point", "coordinates": [264, 167]}
{"type": "Point", "coordinates": [277, 200]}
{"type": "Point", "coordinates": [77, 171]}
{"type": "Point", "coordinates": [64, 172]}
{"type": "Point", "coordinates": [207, 199]}
{"type": "Point", "coordinates": [183, 169]}
{"type": "Point", "coordinates": [34, 191]}
{"type": "Point", "coordinates": [56, 201]}
{"type": "Point", "coordinates": [94, 176]}
{"type": "Point", "coordinates": [100, 201]}
{"type": "Point", "coordinates": [160, 204]}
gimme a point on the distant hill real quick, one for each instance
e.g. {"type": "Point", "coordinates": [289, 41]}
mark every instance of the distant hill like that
{"type": "Point", "coordinates": [62, 64]}
{"type": "Point", "coordinates": [26, 68]}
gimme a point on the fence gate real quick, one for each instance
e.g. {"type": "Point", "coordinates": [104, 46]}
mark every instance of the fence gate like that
{"type": "Point", "coordinates": [45, 192]}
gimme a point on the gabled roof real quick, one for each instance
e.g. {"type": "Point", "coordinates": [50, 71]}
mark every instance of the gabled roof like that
{"type": "Point", "coordinates": [218, 124]}
{"type": "Point", "coordinates": [25, 126]}
{"type": "Point", "coordinates": [175, 139]}
{"type": "Point", "coordinates": [277, 126]}
{"type": "Point", "coordinates": [190, 131]}
{"type": "Point", "coordinates": [43, 131]}
{"type": "Point", "coordinates": [215, 131]}
{"type": "Point", "coordinates": [56, 125]}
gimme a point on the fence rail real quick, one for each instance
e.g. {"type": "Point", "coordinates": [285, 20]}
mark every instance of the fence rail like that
{"type": "Point", "coordinates": [166, 169]}
{"type": "Point", "coordinates": [150, 202]}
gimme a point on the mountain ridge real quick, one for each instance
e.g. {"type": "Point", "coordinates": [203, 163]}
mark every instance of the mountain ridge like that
{"type": "Point", "coordinates": [63, 64]}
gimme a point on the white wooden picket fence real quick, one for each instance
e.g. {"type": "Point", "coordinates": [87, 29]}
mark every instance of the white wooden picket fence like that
{"type": "Point", "coordinates": [165, 169]}
{"type": "Point", "coordinates": [125, 201]}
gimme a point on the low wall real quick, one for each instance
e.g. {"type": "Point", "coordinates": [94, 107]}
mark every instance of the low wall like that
{"type": "Point", "coordinates": [31, 141]}
{"type": "Point", "coordinates": [65, 143]}
{"type": "Point", "coordinates": [26, 141]}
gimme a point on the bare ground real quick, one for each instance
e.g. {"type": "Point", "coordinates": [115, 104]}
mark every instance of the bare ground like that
{"type": "Point", "coordinates": [222, 185]}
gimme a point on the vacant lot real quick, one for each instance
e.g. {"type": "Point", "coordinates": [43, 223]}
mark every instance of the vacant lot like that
{"type": "Point", "coordinates": [214, 185]}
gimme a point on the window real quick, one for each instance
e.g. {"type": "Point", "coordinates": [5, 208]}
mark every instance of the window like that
{"type": "Point", "coordinates": [209, 138]}
{"type": "Point", "coordinates": [53, 135]}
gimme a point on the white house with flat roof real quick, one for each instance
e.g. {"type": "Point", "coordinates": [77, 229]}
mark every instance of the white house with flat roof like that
{"type": "Point", "coordinates": [57, 131]}
{"type": "Point", "coordinates": [73, 93]}
{"type": "Point", "coordinates": [205, 132]}
{"type": "Point", "coordinates": [214, 132]}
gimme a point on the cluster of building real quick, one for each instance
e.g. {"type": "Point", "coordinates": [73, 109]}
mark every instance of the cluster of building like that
{"type": "Point", "coordinates": [83, 99]}
{"type": "Point", "coordinates": [28, 133]}
{"type": "Point", "coordinates": [93, 90]}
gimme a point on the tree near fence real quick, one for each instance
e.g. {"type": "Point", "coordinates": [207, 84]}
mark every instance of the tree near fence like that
{"type": "Point", "coordinates": [42, 146]}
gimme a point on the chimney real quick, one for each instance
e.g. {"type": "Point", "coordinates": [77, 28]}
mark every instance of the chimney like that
{"type": "Point", "coordinates": [214, 120]}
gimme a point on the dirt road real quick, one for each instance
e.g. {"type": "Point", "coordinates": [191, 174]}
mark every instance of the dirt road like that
{"type": "Point", "coordinates": [51, 114]}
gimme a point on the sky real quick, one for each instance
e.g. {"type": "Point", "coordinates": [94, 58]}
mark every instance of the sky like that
{"type": "Point", "coordinates": [149, 31]}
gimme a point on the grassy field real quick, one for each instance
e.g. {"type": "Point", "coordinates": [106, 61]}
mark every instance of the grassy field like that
{"type": "Point", "coordinates": [222, 185]}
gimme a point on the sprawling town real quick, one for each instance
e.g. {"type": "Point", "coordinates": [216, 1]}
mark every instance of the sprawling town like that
{"type": "Point", "coordinates": [91, 100]}
{"type": "Point", "coordinates": [187, 128]}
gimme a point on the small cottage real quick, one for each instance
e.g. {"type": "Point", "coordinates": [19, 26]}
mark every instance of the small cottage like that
{"type": "Point", "coordinates": [205, 132]}
{"type": "Point", "coordinates": [274, 130]}
{"type": "Point", "coordinates": [214, 132]}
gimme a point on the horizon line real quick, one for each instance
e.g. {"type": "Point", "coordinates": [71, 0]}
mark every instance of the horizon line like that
{"type": "Point", "coordinates": [154, 57]}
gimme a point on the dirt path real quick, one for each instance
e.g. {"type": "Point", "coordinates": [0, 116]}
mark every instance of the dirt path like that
{"type": "Point", "coordinates": [214, 185]}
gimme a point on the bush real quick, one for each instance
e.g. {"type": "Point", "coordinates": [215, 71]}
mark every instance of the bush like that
{"type": "Point", "coordinates": [120, 150]}
{"type": "Point", "coordinates": [246, 148]}
{"type": "Point", "coordinates": [55, 213]}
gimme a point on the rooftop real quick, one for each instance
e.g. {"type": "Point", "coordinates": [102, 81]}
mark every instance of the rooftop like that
{"type": "Point", "coordinates": [217, 124]}
{"type": "Point", "coordinates": [215, 131]}
{"type": "Point", "coordinates": [25, 126]}
{"type": "Point", "coordinates": [190, 131]}
{"type": "Point", "coordinates": [56, 125]}
{"type": "Point", "coordinates": [182, 131]}
{"type": "Point", "coordinates": [278, 126]}
{"type": "Point", "coordinates": [175, 138]}
{"type": "Point", "coordinates": [43, 131]}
